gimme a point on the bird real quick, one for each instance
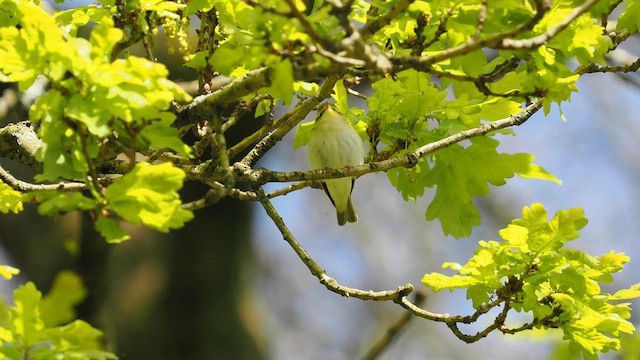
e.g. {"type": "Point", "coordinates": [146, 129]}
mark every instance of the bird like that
{"type": "Point", "coordinates": [335, 144]}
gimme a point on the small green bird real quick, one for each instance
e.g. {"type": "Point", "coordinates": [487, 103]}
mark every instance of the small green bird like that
{"type": "Point", "coordinates": [334, 143]}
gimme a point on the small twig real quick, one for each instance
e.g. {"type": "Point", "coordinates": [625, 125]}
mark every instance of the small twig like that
{"type": "Point", "coordinates": [25, 186]}
{"type": "Point", "coordinates": [339, 59]}
{"type": "Point", "coordinates": [442, 28]}
{"type": "Point", "coordinates": [147, 48]}
{"type": "Point", "coordinates": [220, 148]}
{"type": "Point", "coordinates": [308, 27]}
{"type": "Point", "coordinates": [289, 189]}
{"type": "Point", "coordinates": [242, 109]}
{"type": "Point", "coordinates": [202, 106]}
{"type": "Point", "coordinates": [318, 272]}
{"type": "Point", "coordinates": [357, 94]}
{"type": "Point", "coordinates": [482, 17]}
{"type": "Point", "coordinates": [393, 331]}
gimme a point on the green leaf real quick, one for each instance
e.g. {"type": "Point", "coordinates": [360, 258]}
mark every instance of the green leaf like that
{"type": "Point", "coordinates": [148, 195]}
{"type": "Point", "coordinates": [282, 81]}
{"type": "Point", "coordinates": [630, 18]}
{"type": "Point", "coordinates": [341, 97]}
{"type": "Point", "coordinates": [626, 294]}
{"type": "Point", "coordinates": [67, 291]}
{"type": "Point", "coordinates": [61, 151]}
{"type": "Point", "coordinates": [226, 58]}
{"type": "Point", "coordinates": [104, 38]}
{"type": "Point", "coordinates": [79, 16]}
{"type": "Point", "coordinates": [303, 132]}
{"type": "Point", "coordinates": [263, 107]}
{"type": "Point", "coordinates": [409, 182]}
{"type": "Point", "coordinates": [77, 340]}
{"type": "Point", "coordinates": [160, 135]}
{"type": "Point", "coordinates": [27, 335]}
{"type": "Point", "coordinates": [306, 88]}
{"type": "Point", "coordinates": [7, 271]}
{"type": "Point", "coordinates": [461, 174]}
{"type": "Point", "coordinates": [85, 111]}
{"type": "Point", "coordinates": [551, 235]}
{"type": "Point", "coordinates": [111, 231]}
{"type": "Point", "coordinates": [53, 203]}
{"type": "Point", "coordinates": [197, 60]}
{"type": "Point", "coordinates": [438, 282]}
{"type": "Point", "coordinates": [10, 200]}
{"type": "Point", "coordinates": [411, 96]}
{"type": "Point", "coordinates": [26, 321]}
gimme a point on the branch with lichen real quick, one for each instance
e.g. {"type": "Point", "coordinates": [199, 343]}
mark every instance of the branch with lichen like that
{"type": "Point", "coordinates": [408, 160]}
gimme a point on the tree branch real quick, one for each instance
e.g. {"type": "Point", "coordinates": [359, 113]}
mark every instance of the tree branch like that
{"type": "Point", "coordinates": [423, 63]}
{"type": "Point", "coordinates": [318, 272]}
{"type": "Point", "coordinates": [203, 106]}
{"type": "Point", "coordinates": [409, 160]}
{"type": "Point", "coordinates": [593, 68]}
{"type": "Point", "coordinates": [25, 186]}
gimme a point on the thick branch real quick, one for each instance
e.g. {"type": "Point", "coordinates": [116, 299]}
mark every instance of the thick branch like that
{"type": "Point", "coordinates": [203, 106]}
{"type": "Point", "coordinates": [20, 142]}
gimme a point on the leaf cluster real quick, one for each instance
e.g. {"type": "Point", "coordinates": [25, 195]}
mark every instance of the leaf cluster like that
{"type": "Point", "coordinates": [531, 271]}
{"type": "Point", "coordinates": [37, 327]}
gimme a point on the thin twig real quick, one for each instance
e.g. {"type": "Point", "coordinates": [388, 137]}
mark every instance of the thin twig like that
{"type": "Point", "coordinates": [289, 189]}
{"type": "Point", "coordinates": [243, 108]}
{"type": "Point", "coordinates": [220, 149]}
{"type": "Point", "coordinates": [393, 331]}
{"type": "Point", "coordinates": [482, 17]}
{"type": "Point", "coordinates": [25, 186]}
{"type": "Point", "coordinates": [147, 48]}
{"type": "Point", "coordinates": [308, 27]}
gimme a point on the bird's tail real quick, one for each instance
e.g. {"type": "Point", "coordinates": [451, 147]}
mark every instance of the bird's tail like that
{"type": "Point", "coordinates": [349, 215]}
